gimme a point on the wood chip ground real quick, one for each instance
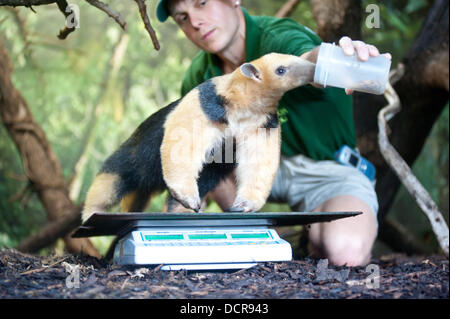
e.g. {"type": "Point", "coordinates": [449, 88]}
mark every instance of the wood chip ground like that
{"type": "Point", "coordinates": [71, 276]}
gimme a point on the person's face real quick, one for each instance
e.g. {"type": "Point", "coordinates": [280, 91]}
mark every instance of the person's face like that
{"type": "Point", "coordinates": [210, 24]}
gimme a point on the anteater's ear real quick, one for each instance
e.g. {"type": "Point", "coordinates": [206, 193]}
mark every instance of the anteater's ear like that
{"type": "Point", "coordinates": [250, 71]}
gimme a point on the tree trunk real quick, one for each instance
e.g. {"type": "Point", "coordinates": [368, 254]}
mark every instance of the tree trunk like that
{"type": "Point", "coordinates": [40, 163]}
{"type": "Point", "coordinates": [336, 18]}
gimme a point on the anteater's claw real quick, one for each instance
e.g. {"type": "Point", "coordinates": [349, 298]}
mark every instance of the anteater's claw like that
{"type": "Point", "coordinates": [234, 209]}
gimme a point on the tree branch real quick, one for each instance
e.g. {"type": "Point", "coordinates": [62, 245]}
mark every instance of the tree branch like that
{"type": "Point", "coordinates": [63, 5]}
{"type": "Point", "coordinates": [25, 3]}
{"type": "Point", "coordinates": [110, 12]}
{"type": "Point", "coordinates": [52, 231]}
{"type": "Point", "coordinates": [148, 26]}
{"type": "Point", "coordinates": [41, 165]}
{"type": "Point", "coordinates": [403, 171]}
{"type": "Point", "coordinates": [21, 24]}
{"type": "Point", "coordinates": [287, 9]}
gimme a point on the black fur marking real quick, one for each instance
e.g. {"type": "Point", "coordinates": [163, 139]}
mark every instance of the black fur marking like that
{"type": "Point", "coordinates": [211, 175]}
{"type": "Point", "coordinates": [138, 159]}
{"type": "Point", "coordinates": [212, 103]}
{"type": "Point", "coordinates": [216, 171]}
{"type": "Point", "coordinates": [272, 122]}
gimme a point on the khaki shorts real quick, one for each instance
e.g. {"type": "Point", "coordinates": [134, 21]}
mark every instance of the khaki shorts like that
{"type": "Point", "coordinates": [305, 184]}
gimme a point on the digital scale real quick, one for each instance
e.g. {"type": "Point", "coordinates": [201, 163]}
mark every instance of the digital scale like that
{"type": "Point", "coordinates": [199, 241]}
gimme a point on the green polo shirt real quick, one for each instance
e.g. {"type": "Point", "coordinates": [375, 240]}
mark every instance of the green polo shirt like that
{"type": "Point", "coordinates": [314, 122]}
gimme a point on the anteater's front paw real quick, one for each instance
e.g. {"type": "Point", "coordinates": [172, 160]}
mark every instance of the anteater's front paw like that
{"type": "Point", "coordinates": [243, 205]}
{"type": "Point", "coordinates": [190, 202]}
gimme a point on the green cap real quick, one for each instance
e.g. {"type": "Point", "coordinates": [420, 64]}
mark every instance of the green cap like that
{"type": "Point", "coordinates": [162, 10]}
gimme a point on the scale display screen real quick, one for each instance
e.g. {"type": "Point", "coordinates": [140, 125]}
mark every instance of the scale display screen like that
{"type": "Point", "coordinates": [157, 236]}
{"type": "Point", "coordinates": [161, 237]}
{"type": "Point", "coordinates": [202, 248]}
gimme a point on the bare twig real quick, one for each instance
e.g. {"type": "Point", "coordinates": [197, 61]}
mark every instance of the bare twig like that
{"type": "Point", "coordinates": [21, 24]}
{"type": "Point", "coordinates": [20, 178]}
{"type": "Point", "coordinates": [287, 9]}
{"type": "Point", "coordinates": [21, 194]}
{"type": "Point", "coordinates": [148, 26]}
{"type": "Point", "coordinates": [110, 12]}
{"type": "Point", "coordinates": [403, 171]}
{"type": "Point", "coordinates": [63, 5]}
{"type": "Point", "coordinates": [43, 268]}
{"type": "Point", "coordinates": [25, 3]}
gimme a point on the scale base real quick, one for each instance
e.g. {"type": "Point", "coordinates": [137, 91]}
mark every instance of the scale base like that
{"type": "Point", "coordinates": [201, 248]}
{"type": "Point", "coordinates": [221, 266]}
{"type": "Point", "coordinates": [236, 240]}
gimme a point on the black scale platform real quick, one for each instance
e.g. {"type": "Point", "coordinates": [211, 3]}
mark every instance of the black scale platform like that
{"type": "Point", "coordinates": [102, 224]}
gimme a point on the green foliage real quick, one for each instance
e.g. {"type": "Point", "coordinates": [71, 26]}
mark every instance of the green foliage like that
{"type": "Point", "coordinates": [63, 81]}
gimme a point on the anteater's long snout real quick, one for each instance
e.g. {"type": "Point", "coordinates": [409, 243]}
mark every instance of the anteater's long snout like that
{"type": "Point", "coordinates": [303, 71]}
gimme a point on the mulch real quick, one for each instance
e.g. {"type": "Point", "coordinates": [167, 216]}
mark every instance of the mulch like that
{"type": "Point", "coordinates": [72, 277]}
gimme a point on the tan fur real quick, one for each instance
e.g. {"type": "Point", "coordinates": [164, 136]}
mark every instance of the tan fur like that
{"type": "Point", "coordinates": [258, 157]}
{"type": "Point", "coordinates": [127, 202]}
{"type": "Point", "coordinates": [250, 103]}
{"type": "Point", "coordinates": [251, 100]}
{"type": "Point", "coordinates": [189, 135]}
{"type": "Point", "coordinates": [134, 202]}
{"type": "Point", "coordinates": [100, 195]}
{"type": "Point", "coordinates": [175, 206]}
{"type": "Point", "coordinates": [262, 96]}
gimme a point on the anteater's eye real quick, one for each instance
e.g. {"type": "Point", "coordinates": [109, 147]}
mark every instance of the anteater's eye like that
{"type": "Point", "coordinates": [281, 70]}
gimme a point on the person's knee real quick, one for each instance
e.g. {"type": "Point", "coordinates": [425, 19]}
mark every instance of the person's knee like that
{"type": "Point", "coordinates": [347, 241]}
{"type": "Point", "coordinates": [348, 250]}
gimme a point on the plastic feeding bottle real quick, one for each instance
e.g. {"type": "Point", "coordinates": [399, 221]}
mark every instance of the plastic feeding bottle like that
{"type": "Point", "coordinates": [335, 68]}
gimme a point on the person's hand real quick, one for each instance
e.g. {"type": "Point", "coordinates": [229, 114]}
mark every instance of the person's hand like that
{"type": "Point", "coordinates": [363, 51]}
